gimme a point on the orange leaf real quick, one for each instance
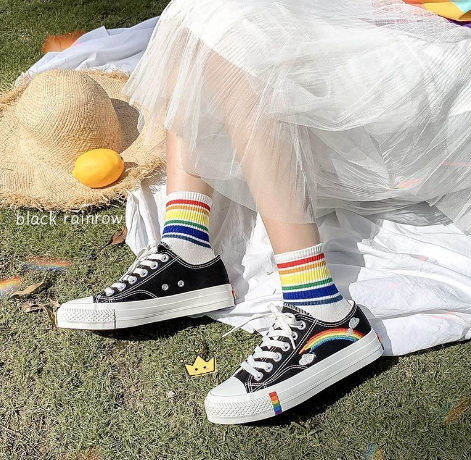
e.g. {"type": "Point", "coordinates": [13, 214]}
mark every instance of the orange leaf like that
{"type": "Point", "coordinates": [60, 42]}
{"type": "Point", "coordinates": [29, 291]}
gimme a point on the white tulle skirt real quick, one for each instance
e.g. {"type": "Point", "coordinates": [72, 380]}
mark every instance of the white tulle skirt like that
{"type": "Point", "coordinates": [297, 107]}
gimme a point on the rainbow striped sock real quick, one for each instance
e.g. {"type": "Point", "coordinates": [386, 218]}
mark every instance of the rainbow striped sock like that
{"type": "Point", "coordinates": [306, 282]}
{"type": "Point", "coordinates": [186, 228]}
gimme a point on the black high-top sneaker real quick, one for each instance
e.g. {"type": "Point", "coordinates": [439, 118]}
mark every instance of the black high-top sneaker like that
{"type": "Point", "coordinates": [298, 357]}
{"type": "Point", "coordinates": [159, 285]}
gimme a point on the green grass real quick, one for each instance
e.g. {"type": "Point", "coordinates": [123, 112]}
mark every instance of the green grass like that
{"type": "Point", "coordinates": [80, 395]}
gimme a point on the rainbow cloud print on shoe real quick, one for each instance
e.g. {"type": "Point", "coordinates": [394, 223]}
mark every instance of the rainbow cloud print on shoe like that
{"type": "Point", "coordinates": [276, 403]}
{"type": "Point", "coordinates": [187, 220]}
{"type": "Point", "coordinates": [329, 335]}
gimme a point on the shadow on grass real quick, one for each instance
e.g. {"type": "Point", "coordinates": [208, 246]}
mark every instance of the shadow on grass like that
{"type": "Point", "coordinates": [320, 402]}
{"type": "Point", "coordinates": [304, 411]}
{"type": "Point", "coordinates": [443, 346]}
{"type": "Point", "coordinates": [299, 414]}
{"type": "Point", "coordinates": [313, 406]}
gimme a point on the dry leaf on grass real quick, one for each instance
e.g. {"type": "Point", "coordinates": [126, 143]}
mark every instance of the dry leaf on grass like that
{"type": "Point", "coordinates": [29, 291]}
{"type": "Point", "coordinates": [60, 42]}
{"type": "Point", "coordinates": [119, 237]}
{"type": "Point", "coordinates": [29, 307]}
{"type": "Point", "coordinates": [204, 349]}
{"type": "Point", "coordinates": [50, 309]}
{"type": "Point", "coordinates": [51, 314]}
{"type": "Point", "coordinates": [54, 305]}
{"type": "Point", "coordinates": [458, 410]}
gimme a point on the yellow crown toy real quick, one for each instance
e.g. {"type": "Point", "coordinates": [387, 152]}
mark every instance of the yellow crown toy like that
{"type": "Point", "coordinates": [201, 366]}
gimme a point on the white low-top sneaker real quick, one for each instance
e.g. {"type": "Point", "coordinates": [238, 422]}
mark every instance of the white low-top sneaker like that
{"type": "Point", "coordinates": [158, 286]}
{"type": "Point", "coordinates": [298, 357]}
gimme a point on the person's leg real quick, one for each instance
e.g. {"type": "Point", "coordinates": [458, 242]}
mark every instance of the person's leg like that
{"type": "Point", "coordinates": [177, 178]}
{"type": "Point", "coordinates": [285, 236]}
{"type": "Point", "coordinates": [305, 278]}
{"type": "Point", "coordinates": [189, 199]}
{"type": "Point", "coordinates": [318, 337]}
{"type": "Point", "coordinates": [292, 243]}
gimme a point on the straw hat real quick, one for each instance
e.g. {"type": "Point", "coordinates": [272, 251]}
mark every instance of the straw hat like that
{"type": "Point", "coordinates": [48, 121]}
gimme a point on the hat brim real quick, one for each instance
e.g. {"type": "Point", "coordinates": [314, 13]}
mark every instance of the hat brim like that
{"type": "Point", "coordinates": [33, 184]}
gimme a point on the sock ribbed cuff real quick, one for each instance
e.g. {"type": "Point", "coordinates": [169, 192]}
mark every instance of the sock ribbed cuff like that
{"type": "Point", "coordinates": [194, 196]}
{"type": "Point", "coordinates": [299, 254]}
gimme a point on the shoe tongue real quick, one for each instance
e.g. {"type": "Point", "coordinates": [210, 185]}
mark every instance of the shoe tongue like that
{"type": "Point", "coordinates": [287, 308]}
{"type": "Point", "coordinates": [158, 249]}
{"type": "Point", "coordinates": [162, 245]}
{"type": "Point", "coordinates": [296, 311]}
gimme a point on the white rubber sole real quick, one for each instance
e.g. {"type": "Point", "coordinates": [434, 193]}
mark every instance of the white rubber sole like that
{"type": "Point", "coordinates": [105, 316]}
{"type": "Point", "coordinates": [295, 390]}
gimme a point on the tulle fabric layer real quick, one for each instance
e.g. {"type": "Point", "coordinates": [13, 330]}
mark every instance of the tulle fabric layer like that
{"type": "Point", "coordinates": [295, 108]}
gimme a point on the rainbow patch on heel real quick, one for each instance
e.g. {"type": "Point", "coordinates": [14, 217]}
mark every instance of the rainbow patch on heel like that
{"type": "Point", "coordinates": [276, 403]}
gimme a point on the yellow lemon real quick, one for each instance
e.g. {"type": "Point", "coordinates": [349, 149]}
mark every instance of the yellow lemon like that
{"type": "Point", "coordinates": [98, 168]}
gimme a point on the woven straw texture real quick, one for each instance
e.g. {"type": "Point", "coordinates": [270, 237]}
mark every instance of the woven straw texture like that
{"type": "Point", "coordinates": [48, 121]}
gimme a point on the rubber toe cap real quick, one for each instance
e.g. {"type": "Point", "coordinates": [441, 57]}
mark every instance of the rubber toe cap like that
{"type": "Point", "coordinates": [231, 387]}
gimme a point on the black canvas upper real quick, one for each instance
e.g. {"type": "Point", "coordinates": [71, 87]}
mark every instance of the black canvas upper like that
{"type": "Point", "coordinates": [168, 274]}
{"type": "Point", "coordinates": [290, 365]}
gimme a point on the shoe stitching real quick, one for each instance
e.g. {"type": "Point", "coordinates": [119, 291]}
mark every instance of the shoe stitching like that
{"type": "Point", "coordinates": [324, 323]}
{"type": "Point", "coordinates": [268, 383]}
{"type": "Point", "coordinates": [188, 265]}
{"type": "Point", "coordinates": [139, 291]}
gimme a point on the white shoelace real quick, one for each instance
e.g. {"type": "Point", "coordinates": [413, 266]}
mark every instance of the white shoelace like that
{"type": "Point", "coordinates": [148, 257]}
{"type": "Point", "coordinates": [282, 327]}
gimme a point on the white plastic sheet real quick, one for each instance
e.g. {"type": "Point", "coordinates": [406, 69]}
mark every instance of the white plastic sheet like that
{"type": "Point", "coordinates": [115, 49]}
{"type": "Point", "coordinates": [413, 282]}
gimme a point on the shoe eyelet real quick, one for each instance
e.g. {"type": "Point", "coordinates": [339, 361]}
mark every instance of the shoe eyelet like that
{"type": "Point", "coordinates": [258, 377]}
{"type": "Point", "coordinates": [120, 289]}
{"type": "Point", "coordinates": [132, 280]}
{"type": "Point", "coordinates": [154, 265]}
{"type": "Point", "coordinates": [181, 283]}
{"type": "Point", "coordinates": [144, 274]}
{"type": "Point", "coordinates": [109, 294]}
{"type": "Point", "coordinates": [269, 367]}
{"type": "Point", "coordinates": [302, 326]}
{"type": "Point", "coordinates": [164, 287]}
{"type": "Point", "coordinates": [165, 258]}
{"type": "Point", "coordinates": [278, 357]}
{"type": "Point", "coordinates": [294, 335]}
{"type": "Point", "coordinates": [285, 347]}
